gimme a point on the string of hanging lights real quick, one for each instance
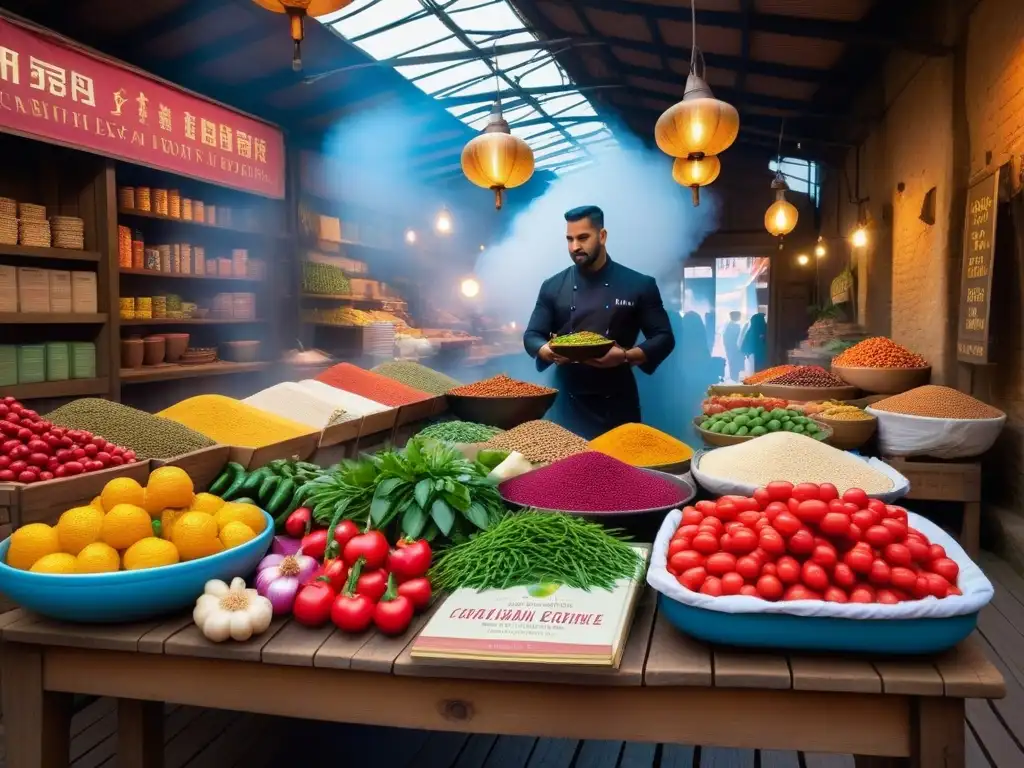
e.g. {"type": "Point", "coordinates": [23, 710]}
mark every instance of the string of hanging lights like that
{"type": "Point", "coordinates": [697, 129]}
{"type": "Point", "coordinates": [297, 11]}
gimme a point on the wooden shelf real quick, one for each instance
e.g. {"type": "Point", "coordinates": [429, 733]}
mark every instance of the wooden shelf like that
{"type": "Point", "coordinates": [62, 254]}
{"type": "Point", "coordinates": [178, 275]}
{"type": "Point", "coordinates": [68, 388]}
{"type": "Point", "coordinates": [348, 297]}
{"type": "Point", "coordinates": [52, 318]}
{"type": "Point", "coordinates": [201, 224]}
{"type": "Point", "coordinates": [170, 372]}
{"type": "Point", "coordinates": [191, 321]}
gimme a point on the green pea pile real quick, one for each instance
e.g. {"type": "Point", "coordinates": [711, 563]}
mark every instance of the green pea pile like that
{"type": "Point", "coordinates": [757, 421]}
{"type": "Point", "coordinates": [323, 279]}
{"type": "Point", "coordinates": [459, 432]}
{"type": "Point", "coordinates": [579, 339]}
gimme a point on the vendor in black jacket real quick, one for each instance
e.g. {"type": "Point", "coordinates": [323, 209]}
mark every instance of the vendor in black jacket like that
{"type": "Point", "coordinates": [597, 294]}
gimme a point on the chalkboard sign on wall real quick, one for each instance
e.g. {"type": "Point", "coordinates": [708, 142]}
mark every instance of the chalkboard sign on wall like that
{"type": "Point", "coordinates": [972, 338]}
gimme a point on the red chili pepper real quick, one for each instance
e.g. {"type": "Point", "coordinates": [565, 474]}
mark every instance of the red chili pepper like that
{"type": "Point", "coordinates": [299, 522]}
{"type": "Point", "coordinates": [410, 559]}
{"type": "Point", "coordinates": [315, 544]}
{"type": "Point", "coordinates": [313, 603]}
{"type": "Point", "coordinates": [393, 614]}
{"type": "Point", "coordinates": [352, 612]}
{"type": "Point", "coordinates": [418, 591]}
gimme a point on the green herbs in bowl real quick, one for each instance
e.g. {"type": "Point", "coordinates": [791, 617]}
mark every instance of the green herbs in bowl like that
{"type": "Point", "coordinates": [581, 346]}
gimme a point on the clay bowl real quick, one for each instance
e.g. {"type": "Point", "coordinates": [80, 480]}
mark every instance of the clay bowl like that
{"type": "Point", "coordinates": [720, 441]}
{"type": "Point", "coordinates": [177, 343]}
{"type": "Point", "coordinates": [746, 390]}
{"type": "Point", "coordinates": [132, 353]}
{"type": "Point", "coordinates": [154, 349]}
{"type": "Point", "coordinates": [501, 412]}
{"type": "Point", "coordinates": [848, 435]}
{"type": "Point", "coordinates": [884, 381]}
{"type": "Point", "coordinates": [581, 353]}
{"type": "Point", "coordinates": [808, 394]}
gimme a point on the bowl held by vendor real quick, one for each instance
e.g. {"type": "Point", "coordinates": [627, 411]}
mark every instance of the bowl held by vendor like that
{"type": "Point", "coordinates": [599, 295]}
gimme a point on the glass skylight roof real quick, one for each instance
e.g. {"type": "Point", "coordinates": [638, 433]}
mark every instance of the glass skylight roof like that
{"type": "Point", "coordinates": [540, 102]}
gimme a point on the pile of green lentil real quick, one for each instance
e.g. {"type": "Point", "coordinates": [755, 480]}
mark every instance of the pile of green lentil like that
{"type": "Point", "coordinates": [417, 376]}
{"type": "Point", "coordinates": [151, 437]}
{"type": "Point", "coordinates": [459, 432]}
{"type": "Point", "coordinates": [579, 339]}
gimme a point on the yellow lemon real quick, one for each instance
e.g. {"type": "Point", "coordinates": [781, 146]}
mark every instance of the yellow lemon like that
{"type": "Point", "coordinates": [150, 553]}
{"type": "Point", "coordinates": [124, 525]}
{"type": "Point", "coordinates": [235, 533]}
{"type": "Point", "coordinates": [58, 562]}
{"type": "Point", "coordinates": [122, 490]}
{"type": "Point", "coordinates": [97, 558]}
{"type": "Point", "coordinates": [79, 527]}
{"type": "Point", "coordinates": [195, 536]}
{"type": "Point", "coordinates": [31, 542]}
{"type": "Point", "coordinates": [249, 514]}
{"type": "Point", "coordinates": [167, 520]}
{"type": "Point", "coordinates": [207, 502]}
{"type": "Point", "coordinates": [98, 503]}
{"type": "Point", "coordinates": [168, 487]}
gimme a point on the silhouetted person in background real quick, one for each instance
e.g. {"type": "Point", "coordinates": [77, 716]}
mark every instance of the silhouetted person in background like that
{"type": "Point", "coordinates": [755, 341]}
{"type": "Point", "coordinates": [731, 342]}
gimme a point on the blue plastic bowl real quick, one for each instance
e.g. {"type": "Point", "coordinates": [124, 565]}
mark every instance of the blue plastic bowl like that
{"type": "Point", "coordinates": [772, 630]}
{"type": "Point", "coordinates": [128, 595]}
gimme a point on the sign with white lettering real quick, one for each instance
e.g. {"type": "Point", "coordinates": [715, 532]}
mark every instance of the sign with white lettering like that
{"type": "Point", "coordinates": [53, 91]}
{"type": "Point", "coordinates": [972, 338]}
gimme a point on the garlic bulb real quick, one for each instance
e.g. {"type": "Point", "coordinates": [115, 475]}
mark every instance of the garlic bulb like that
{"type": "Point", "coordinates": [233, 611]}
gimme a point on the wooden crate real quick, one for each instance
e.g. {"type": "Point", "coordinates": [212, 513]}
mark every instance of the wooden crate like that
{"type": "Point", "coordinates": [45, 502]}
{"type": "Point", "coordinates": [958, 481]}
{"type": "Point", "coordinates": [8, 504]}
{"type": "Point", "coordinates": [301, 447]}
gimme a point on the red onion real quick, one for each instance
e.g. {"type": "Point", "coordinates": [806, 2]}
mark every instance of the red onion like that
{"type": "Point", "coordinates": [285, 545]}
{"type": "Point", "coordinates": [279, 577]}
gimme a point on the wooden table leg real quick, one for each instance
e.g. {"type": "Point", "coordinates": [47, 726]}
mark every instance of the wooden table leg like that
{"type": "Point", "coordinates": [970, 530]}
{"type": "Point", "coordinates": [937, 735]}
{"type": "Point", "coordinates": [37, 723]}
{"type": "Point", "coordinates": [140, 733]}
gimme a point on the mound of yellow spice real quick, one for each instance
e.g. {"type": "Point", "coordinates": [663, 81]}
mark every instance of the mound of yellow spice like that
{"type": "Point", "coordinates": [641, 446]}
{"type": "Point", "coordinates": [232, 422]}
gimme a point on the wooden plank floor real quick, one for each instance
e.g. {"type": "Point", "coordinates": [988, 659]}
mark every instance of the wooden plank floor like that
{"type": "Point", "coordinates": [205, 738]}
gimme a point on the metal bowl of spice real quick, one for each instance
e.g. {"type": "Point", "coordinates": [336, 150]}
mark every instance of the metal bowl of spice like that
{"type": "Point", "coordinates": [500, 401]}
{"type": "Point", "coordinates": [581, 346]}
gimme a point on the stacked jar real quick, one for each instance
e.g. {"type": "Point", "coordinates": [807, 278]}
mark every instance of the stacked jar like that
{"type": "Point", "coordinates": [143, 199]}
{"type": "Point", "coordinates": [138, 249]}
{"type": "Point", "coordinates": [124, 247]}
{"type": "Point", "coordinates": [144, 308]}
{"type": "Point", "coordinates": [174, 204]}
{"type": "Point", "coordinates": [160, 201]}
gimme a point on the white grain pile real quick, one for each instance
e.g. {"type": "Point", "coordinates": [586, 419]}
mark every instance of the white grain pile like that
{"type": "Point", "coordinates": [353, 404]}
{"type": "Point", "coordinates": [293, 402]}
{"type": "Point", "coordinates": [796, 458]}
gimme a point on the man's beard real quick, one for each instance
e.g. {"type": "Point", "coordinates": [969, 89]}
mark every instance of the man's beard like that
{"type": "Point", "coordinates": [584, 259]}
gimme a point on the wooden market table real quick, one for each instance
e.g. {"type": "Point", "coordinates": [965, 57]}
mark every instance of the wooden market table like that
{"type": "Point", "coordinates": [669, 688]}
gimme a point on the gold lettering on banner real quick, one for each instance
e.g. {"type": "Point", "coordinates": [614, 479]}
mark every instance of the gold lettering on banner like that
{"type": "Point", "coordinates": [190, 126]}
{"type": "Point", "coordinates": [44, 76]}
{"type": "Point", "coordinates": [244, 142]}
{"type": "Point", "coordinates": [9, 71]}
{"type": "Point", "coordinates": [120, 99]}
{"type": "Point", "coordinates": [142, 101]}
{"type": "Point", "coordinates": [164, 117]}
{"type": "Point", "coordinates": [83, 90]}
{"type": "Point", "coordinates": [208, 132]}
{"type": "Point", "coordinates": [226, 138]}
{"type": "Point", "coordinates": [260, 150]}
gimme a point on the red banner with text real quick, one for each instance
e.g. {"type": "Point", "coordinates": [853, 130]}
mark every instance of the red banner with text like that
{"type": "Point", "coordinates": [55, 92]}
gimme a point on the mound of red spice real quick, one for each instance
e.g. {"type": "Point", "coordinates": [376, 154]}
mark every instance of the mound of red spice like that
{"type": "Point", "coordinates": [500, 386]}
{"type": "Point", "coordinates": [591, 482]}
{"type": "Point", "coordinates": [370, 385]}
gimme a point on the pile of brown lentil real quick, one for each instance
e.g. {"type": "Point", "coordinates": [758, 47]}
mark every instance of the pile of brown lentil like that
{"type": "Point", "coordinates": [769, 373]}
{"type": "Point", "coordinates": [539, 441]}
{"type": "Point", "coordinates": [501, 386]}
{"type": "Point", "coordinates": [938, 403]}
{"type": "Point", "coordinates": [808, 376]}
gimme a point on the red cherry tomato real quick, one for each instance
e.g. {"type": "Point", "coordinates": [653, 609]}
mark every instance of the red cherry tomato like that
{"type": "Point", "coordinates": [946, 568]}
{"type": "Point", "coordinates": [769, 588]}
{"type": "Point", "coordinates": [937, 585]}
{"type": "Point", "coordinates": [897, 554]}
{"type": "Point", "coordinates": [705, 542]}
{"type": "Point", "coordinates": [897, 528]}
{"type": "Point", "coordinates": [812, 511]}
{"type": "Point", "coordinates": [689, 531]}
{"type": "Point", "coordinates": [762, 497]}
{"type": "Point", "coordinates": [750, 517]}
{"type": "Point", "coordinates": [835, 595]}
{"type": "Point", "coordinates": [814, 576]}
{"type": "Point", "coordinates": [769, 569]}
{"type": "Point", "coordinates": [678, 545]}
{"type": "Point", "coordinates": [859, 560]}
{"type": "Point", "coordinates": [836, 524]}
{"type": "Point", "coordinates": [691, 516]}
{"type": "Point", "coordinates": [705, 507]}
{"type": "Point", "coordinates": [801, 543]}
{"type": "Point", "coordinates": [862, 594]}
{"type": "Point", "coordinates": [692, 579]}
{"type": "Point", "coordinates": [685, 560]}
{"type": "Point", "coordinates": [712, 524]}
{"type": "Point", "coordinates": [936, 552]}
{"type": "Point", "coordinates": [726, 510]}
{"type": "Point", "coordinates": [827, 492]}
{"type": "Point", "coordinates": [788, 570]}
{"type": "Point", "coordinates": [865, 518]}
{"type": "Point", "coordinates": [825, 555]}
{"type": "Point", "coordinates": [953, 591]}
{"type": "Point", "coordinates": [805, 491]}
{"type": "Point", "coordinates": [712, 587]}
{"type": "Point", "coordinates": [720, 563]}
{"type": "Point", "coordinates": [743, 541]}
{"type": "Point", "coordinates": [876, 506]}
{"type": "Point", "coordinates": [903, 578]}
{"type": "Point", "coordinates": [919, 551]}
{"type": "Point", "coordinates": [779, 490]}
{"type": "Point", "coordinates": [878, 536]}
{"type": "Point", "coordinates": [786, 523]}
{"type": "Point", "coordinates": [880, 572]}
{"type": "Point", "coordinates": [800, 592]}
{"type": "Point", "coordinates": [732, 583]}
{"type": "Point", "coordinates": [844, 576]}
{"type": "Point", "coordinates": [887, 597]}
{"type": "Point", "coordinates": [922, 588]}
{"type": "Point", "coordinates": [749, 590]}
{"type": "Point", "coordinates": [748, 567]}
{"type": "Point", "coordinates": [774, 509]}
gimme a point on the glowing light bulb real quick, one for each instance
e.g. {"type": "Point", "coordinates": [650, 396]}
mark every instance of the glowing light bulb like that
{"type": "Point", "coordinates": [803, 260]}
{"type": "Point", "coordinates": [481, 247]}
{"type": "Point", "coordinates": [470, 288]}
{"type": "Point", "coordinates": [781, 219]}
{"type": "Point", "coordinates": [859, 238]}
{"type": "Point", "coordinates": [410, 236]}
{"type": "Point", "coordinates": [443, 223]}
{"type": "Point", "coordinates": [820, 250]}
{"type": "Point", "coordinates": [512, 325]}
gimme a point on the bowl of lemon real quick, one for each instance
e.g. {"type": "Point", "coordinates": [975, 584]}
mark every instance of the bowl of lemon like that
{"type": "Point", "coordinates": [133, 552]}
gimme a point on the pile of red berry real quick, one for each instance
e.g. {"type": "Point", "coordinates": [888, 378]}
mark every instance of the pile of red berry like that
{"type": "Point", "coordinates": [805, 542]}
{"type": "Point", "coordinates": [33, 449]}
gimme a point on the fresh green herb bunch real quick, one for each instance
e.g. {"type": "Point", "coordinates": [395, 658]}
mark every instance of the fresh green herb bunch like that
{"type": "Point", "coordinates": [579, 339]}
{"type": "Point", "coordinates": [535, 548]}
{"type": "Point", "coordinates": [342, 494]}
{"type": "Point", "coordinates": [430, 488]}
{"type": "Point", "coordinates": [459, 432]}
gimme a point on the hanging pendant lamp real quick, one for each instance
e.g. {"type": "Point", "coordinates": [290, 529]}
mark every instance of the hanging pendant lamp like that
{"type": "Point", "coordinates": [700, 124]}
{"type": "Point", "coordinates": [781, 217]}
{"type": "Point", "coordinates": [297, 11]}
{"type": "Point", "coordinates": [696, 173]}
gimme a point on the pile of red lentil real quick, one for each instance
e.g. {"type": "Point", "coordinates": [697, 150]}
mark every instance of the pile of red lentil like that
{"type": "Point", "coordinates": [372, 386]}
{"type": "Point", "coordinates": [501, 386]}
{"type": "Point", "coordinates": [769, 373]}
{"type": "Point", "coordinates": [808, 376]}
{"type": "Point", "coordinates": [591, 482]}
{"type": "Point", "coordinates": [879, 352]}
